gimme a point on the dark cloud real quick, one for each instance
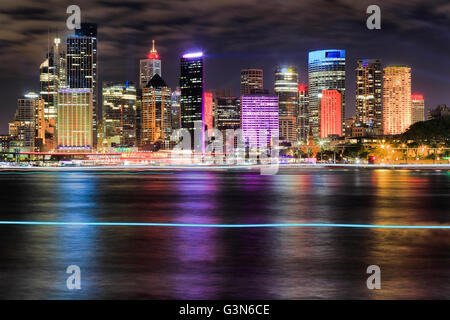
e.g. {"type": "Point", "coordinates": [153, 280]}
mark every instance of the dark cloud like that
{"type": "Point", "coordinates": [234, 33]}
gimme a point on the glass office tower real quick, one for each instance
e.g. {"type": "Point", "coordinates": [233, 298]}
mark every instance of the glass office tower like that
{"type": "Point", "coordinates": [191, 100]}
{"type": "Point", "coordinates": [286, 87]}
{"type": "Point", "coordinates": [326, 71]}
{"type": "Point", "coordinates": [82, 66]}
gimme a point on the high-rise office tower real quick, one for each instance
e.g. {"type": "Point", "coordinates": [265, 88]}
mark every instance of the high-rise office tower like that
{"type": "Point", "coordinates": [302, 120]}
{"type": "Point", "coordinates": [75, 119]}
{"type": "Point", "coordinates": [119, 114]}
{"type": "Point", "coordinates": [330, 113]}
{"type": "Point", "coordinates": [52, 77]}
{"type": "Point", "coordinates": [156, 105]}
{"type": "Point", "coordinates": [251, 79]}
{"type": "Point", "coordinates": [369, 78]}
{"type": "Point", "coordinates": [326, 71]}
{"type": "Point", "coordinates": [286, 87]}
{"type": "Point", "coordinates": [149, 67]}
{"type": "Point", "coordinates": [27, 131]}
{"type": "Point", "coordinates": [260, 123]}
{"type": "Point", "coordinates": [418, 108]}
{"type": "Point", "coordinates": [191, 102]}
{"type": "Point", "coordinates": [396, 99]}
{"type": "Point", "coordinates": [82, 66]}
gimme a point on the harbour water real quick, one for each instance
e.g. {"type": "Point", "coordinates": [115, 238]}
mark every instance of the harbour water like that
{"type": "Point", "coordinates": [138, 262]}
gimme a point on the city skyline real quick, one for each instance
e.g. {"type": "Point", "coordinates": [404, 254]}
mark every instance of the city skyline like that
{"type": "Point", "coordinates": [227, 54]}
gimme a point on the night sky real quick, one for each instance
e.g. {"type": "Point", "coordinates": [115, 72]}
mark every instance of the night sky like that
{"type": "Point", "coordinates": [234, 34]}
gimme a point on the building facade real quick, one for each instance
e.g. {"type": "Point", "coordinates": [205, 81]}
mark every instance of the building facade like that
{"type": "Point", "coordinates": [418, 108]}
{"type": "Point", "coordinates": [228, 114]}
{"type": "Point", "coordinates": [82, 66]}
{"type": "Point", "coordinates": [119, 114]}
{"type": "Point", "coordinates": [251, 79]}
{"type": "Point", "coordinates": [369, 79]}
{"type": "Point", "coordinates": [149, 67]}
{"type": "Point", "coordinates": [208, 119]}
{"type": "Point", "coordinates": [191, 101]}
{"type": "Point", "coordinates": [396, 99]}
{"type": "Point", "coordinates": [27, 131]}
{"type": "Point", "coordinates": [75, 120]}
{"type": "Point", "coordinates": [326, 71]}
{"type": "Point", "coordinates": [330, 113]}
{"type": "Point", "coordinates": [260, 121]}
{"type": "Point", "coordinates": [156, 107]}
{"type": "Point", "coordinates": [286, 87]}
{"type": "Point", "coordinates": [52, 77]}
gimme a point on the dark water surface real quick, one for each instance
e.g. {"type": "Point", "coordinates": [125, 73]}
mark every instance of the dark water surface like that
{"type": "Point", "coordinates": [216, 263]}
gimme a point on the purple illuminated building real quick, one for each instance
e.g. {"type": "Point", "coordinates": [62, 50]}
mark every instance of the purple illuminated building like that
{"type": "Point", "coordinates": [259, 115]}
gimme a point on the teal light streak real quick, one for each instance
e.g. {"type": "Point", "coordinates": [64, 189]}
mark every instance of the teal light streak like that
{"type": "Point", "coordinates": [197, 225]}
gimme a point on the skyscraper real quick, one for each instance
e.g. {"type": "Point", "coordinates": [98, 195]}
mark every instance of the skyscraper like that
{"type": "Point", "coordinates": [251, 79]}
{"type": "Point", "coordinates": [396, 99]}
{"type": "Point", "coordinates": [156, 107]}
{"type": "Point", "coordinates": [52, 77]}
{"type": "Point", "coordinates": [369, 76]}
{"type": "Point", "coordinates": [191, 102]}
{"type": "Point", "coordinates": [286, 87]}
{"type": "Point", "coordinates": [149, 67]}
{"type": "Point", "coordinates": [330, 113]}
{"type": "Point", "coordinates": [326, 71]}
{"type": "Point", "coordinates": [75, 119]}
{"type": "Point", "coordinates": [418, 108]}
{"type": "Point", "coordinates": [302, 121]}
{"type": "Point", "coordinates": [260, 123]}
{"type": "Point", "coordinates": [119, 114]}
{"type": "Point", "coordinates": [27, 131]}
{"type": "Point", "coordinates": [82, 66]}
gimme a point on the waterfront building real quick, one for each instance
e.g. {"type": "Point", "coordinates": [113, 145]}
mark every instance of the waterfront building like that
{"type": "Point", "coordinates": [191, 101]}
{"type": "Point", "coordinates": [326, 71]}
{"type": "Point", "coordinates": [369, 78]}
{"type": "Point", "coordinates": [418, 108]}
{"type": "Point", "coordinates": [251, 79]}
{"type": "Point", "coordinates": [286, 87]}
{"type": "Point", "coordinates": [156, 107]}
{"type": "Point", "coordinates": [149, 67]}
{"type": "Point", "coordinates": [330, 113]}
{"type": "Point", "coordinates": [260, 121]}
{"type": "Point", "coordinates": [82, 66]}
{"type": "Point", "coordinates": [75, 120]}
{"type": "Point", "coordinates": [396, 99]}
{"type": "Point", "coordinates": [119, 114]}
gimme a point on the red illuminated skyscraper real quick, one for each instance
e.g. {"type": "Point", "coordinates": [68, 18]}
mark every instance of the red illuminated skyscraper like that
{"type": "Point", "coordinates": [330, 113]}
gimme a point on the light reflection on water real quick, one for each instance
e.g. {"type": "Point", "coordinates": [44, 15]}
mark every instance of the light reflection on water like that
{"type": "Point", "coordinates": [186, 263]}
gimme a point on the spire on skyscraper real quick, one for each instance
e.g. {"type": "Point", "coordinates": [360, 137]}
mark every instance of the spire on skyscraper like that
{"type": "Point", "coordinates": [153, 53]}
